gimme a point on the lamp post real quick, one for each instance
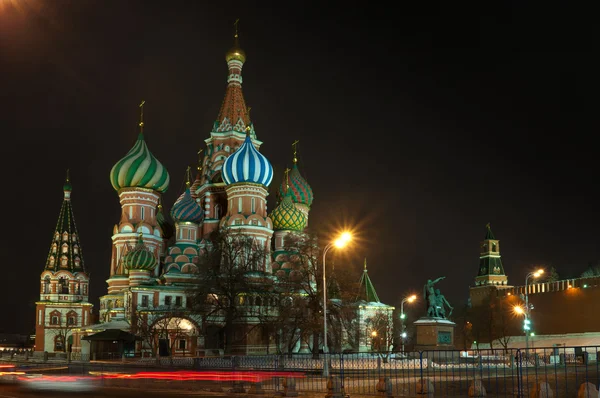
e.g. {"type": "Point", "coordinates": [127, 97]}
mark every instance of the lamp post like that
{"type": "Point", "coordinates": [339, 243]}
{"type": "Point", "coordinates": [402, 316]}
{"type": "Point", "coordinates": [527, 314]}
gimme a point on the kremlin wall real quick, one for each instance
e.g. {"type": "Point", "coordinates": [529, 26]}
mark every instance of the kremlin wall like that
{"type": "Point", "coordinates": [562, 312]}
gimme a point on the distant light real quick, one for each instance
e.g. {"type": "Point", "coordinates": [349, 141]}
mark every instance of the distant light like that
{"type": "Point", "coordinates": [532, 334]}
{"type": "Point", "coordinates": [412, 298]}
{"type": "Point", "coordinates": [402, 316]}
{"type": "Point", "coordinates": [374, 333]}
{"type": "Point", "coordinates": [584, 286]}
{"type": "Point", "coordinates": [518, 310]}
{"type": "Point", "coordinates": [570, 286]}
{"type": "Point", "coordinates": [509, 293]}
{"type": "Point", "coordinates": [403, 335]}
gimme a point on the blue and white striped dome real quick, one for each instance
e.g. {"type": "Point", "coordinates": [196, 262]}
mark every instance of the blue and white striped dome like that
{"type": "Point", "coordinates": [247, 165]}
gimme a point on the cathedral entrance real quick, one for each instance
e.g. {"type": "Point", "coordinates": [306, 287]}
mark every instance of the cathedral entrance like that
{"type": "Point", "coordinates": [177, 336]}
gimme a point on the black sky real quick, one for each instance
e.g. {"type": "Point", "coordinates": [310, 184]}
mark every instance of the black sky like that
{"type": "Point", "coordinates": [418, 124]}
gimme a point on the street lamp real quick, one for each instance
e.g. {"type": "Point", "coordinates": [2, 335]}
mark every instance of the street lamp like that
{"type": "Point", "coordinates": [526, 321]}
{"type": "Point", "coordinates": [402, 316]}
{"type": "Point", "coordinates": [340, 242]}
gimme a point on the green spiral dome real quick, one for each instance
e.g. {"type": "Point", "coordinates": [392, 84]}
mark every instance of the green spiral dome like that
{"type": "Point", "coordinates": [140, 258]}
{"type": "Point", "coordinates": [286, 216]}
{"type": "Point", "coordinates": [139, 169]}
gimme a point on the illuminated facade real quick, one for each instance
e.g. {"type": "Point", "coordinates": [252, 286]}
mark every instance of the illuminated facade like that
{"type": "Point", "coordinates": [63, 306]}
{"type": "Point", "coordinates": [154, 261]}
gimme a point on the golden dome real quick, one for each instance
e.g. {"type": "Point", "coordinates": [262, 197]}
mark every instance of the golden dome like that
{"type": "Point", "coordinates": [235, 52]}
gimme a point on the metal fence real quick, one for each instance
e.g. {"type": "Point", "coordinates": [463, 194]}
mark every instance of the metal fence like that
{"type": "Point", "coordinates": [502, 373]}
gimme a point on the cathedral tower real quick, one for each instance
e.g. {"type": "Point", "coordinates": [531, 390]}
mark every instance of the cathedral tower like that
{"type": "Point", "coordinates": [229, 132]}
{"type": "Point", "coordinates": [182, 258]}
{"type": "Point", "coordinates": [301, 192]}
{"type": "Point", "coordinates": [247, 175]}
{"type": "Point", "coordinates": [64, 286]}
{"type": "Point", "coordinates": [139, 179]}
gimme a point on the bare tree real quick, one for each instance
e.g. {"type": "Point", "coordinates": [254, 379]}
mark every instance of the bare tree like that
{"type": "Point", "coordinates": [229, 275]}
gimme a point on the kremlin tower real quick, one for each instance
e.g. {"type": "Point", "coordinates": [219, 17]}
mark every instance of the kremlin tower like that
{"type": "Point", "coordinates": [64, 287]}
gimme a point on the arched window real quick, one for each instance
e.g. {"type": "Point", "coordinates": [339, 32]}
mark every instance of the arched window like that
{"type": "Point", "coordinates": [217, 211]}
{"type": "Point", "coordinates": [74, 237]}
{"type": "Point", "coordinates": [54, 320]}
{"type": "Point", "coordinates": [64, 248]}
{"type": "Point", "coordinates": [77, 261]}
{"type": "Point", "coordinates": [56, 236]}
{"type": "Point", "coordinates": [47, 285]}
{"type": "Point", "coordinates": [54, 247]}
{"type": "Point", "coordinates": [65, 236]}
{"type": "Point", "coordinates": [63, 286]}
{"type": "Point", "coordinates": [76, 249]}
{"type": "Point", "coordinates": [52, 261]}
{"type": "Point", "coordinates": [64, 261]}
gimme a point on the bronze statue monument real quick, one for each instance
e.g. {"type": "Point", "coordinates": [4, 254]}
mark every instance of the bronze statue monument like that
{"type": "Point", "coordinates": [435, 300]}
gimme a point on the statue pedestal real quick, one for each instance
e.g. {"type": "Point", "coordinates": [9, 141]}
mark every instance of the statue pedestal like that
{"type": "Point", "coordinates": [434, 334]}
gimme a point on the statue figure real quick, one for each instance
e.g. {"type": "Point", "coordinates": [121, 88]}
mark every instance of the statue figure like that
{"type": "Point", "coordinates": [441, 303]}
{"type": "Point", "coordinates": [430, 298]}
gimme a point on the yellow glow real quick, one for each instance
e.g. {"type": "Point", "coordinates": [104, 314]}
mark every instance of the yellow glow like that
{"type": "Point", "coordinates": [518, 310]}
{"type": "Point", "coordinates": [374, 333]}
{"type": "Point", "coordinates": [412, 298]}
{"type": "Point", "coordinates": [343, 240]}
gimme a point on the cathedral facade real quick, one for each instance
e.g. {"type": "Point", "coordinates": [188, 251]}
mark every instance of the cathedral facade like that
{"type": "Point", "coordinates": [155, 258]}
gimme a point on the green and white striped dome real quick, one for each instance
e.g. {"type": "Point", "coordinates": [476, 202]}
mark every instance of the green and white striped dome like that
{"type": "Point", "coordinates": [140, 258]}
{"type": "Point", "coordinates": [139, 169]}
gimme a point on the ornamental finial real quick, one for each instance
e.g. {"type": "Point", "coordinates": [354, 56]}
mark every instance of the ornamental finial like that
{"type": "Point", "coordinates": [295, 150]}
{"type": "Point", "coordinates": [235, 24]}
{"type": "Point", "coordinates": [200, 159]}
{"type": "Point", "coordinates": [142, 116]}
{"type": "Point", "coordinates": [67, 176]}
{"type": "Point", "coordinates": [365, 264]}
{"type": "Point", "coordinates": [287, 181]}
{"type": "Point", "coordinates": [488, 226]}
{"type": "Point", "coordinates": [187, 177]}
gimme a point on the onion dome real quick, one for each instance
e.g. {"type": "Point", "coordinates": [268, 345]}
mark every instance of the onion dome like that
{"type": "Point", "coordinates": [163, 223]}
{"type": "Point", "coordinates": [139, 169]}
{"type": "Point", "coordinates": [235, 53]}
{"type": "Point", "coordinates": [140, 257]}
{"type": "Point", "coordinates": [301, 191]}
{"type": "Point", "coordinates": [187, 209]}
{"type": "Point", "coordinates": [246, 164]}
{"type": "Point", "coordinates": [286, 216]}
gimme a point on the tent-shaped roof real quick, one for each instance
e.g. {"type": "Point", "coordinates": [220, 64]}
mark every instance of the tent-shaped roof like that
{"type": "Point", "coordinates": [112, 335]}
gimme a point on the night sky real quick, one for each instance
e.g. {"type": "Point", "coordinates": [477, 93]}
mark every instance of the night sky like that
{"type": "Point", "coordinates": [418, 125]}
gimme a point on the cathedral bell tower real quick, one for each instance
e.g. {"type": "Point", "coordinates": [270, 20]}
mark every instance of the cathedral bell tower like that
{"type": "Point", "coordinates": [229, 132]}
{"type": "Point", "coordinates": [491, 271]}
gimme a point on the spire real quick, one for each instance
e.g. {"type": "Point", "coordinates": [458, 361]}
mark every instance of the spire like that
{"type": "Point", "coordinates": [366, 289]}
{"type": "Point", "coordinates": [234, 115]}
{"type": "Point", "coordinates": [65, 249]}
{"type": "Point", "coordinates": [142, 117]}
{"type": "Point", "coordinates": [488, 232]}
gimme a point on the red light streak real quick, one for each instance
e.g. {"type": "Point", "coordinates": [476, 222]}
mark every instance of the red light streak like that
{"type": "Point", "coordinates": [212, 376]}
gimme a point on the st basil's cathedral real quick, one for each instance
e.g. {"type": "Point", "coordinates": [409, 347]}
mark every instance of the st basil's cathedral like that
{"type": "Point", "coordinates": [155, 257]}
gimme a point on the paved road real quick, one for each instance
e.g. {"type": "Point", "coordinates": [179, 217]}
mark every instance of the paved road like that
{"type": "Point", "coordinates": [15, 391]}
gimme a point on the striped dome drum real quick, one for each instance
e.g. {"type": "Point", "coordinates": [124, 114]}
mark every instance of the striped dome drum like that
{"type": "Point", "coordinates": [139, 169]}
{"type": "Point", "coordinates": [247, 165]}
{"type": "Point", "coordinates": [287, 217]}
{"type": "Point", "coordinates": [186, 209]}
{"type": "Point", "coordinates": [140, 258]}
{"type": "Point", "coordinates": [301, 191]}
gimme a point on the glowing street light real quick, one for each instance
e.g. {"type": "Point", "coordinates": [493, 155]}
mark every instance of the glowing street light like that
{"type": "Point", "coordinates": [526, 321]}
{"type": "Point", "coordinates": [403, 315]}
{"type": "Point", "coordinates": [340, 243]}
